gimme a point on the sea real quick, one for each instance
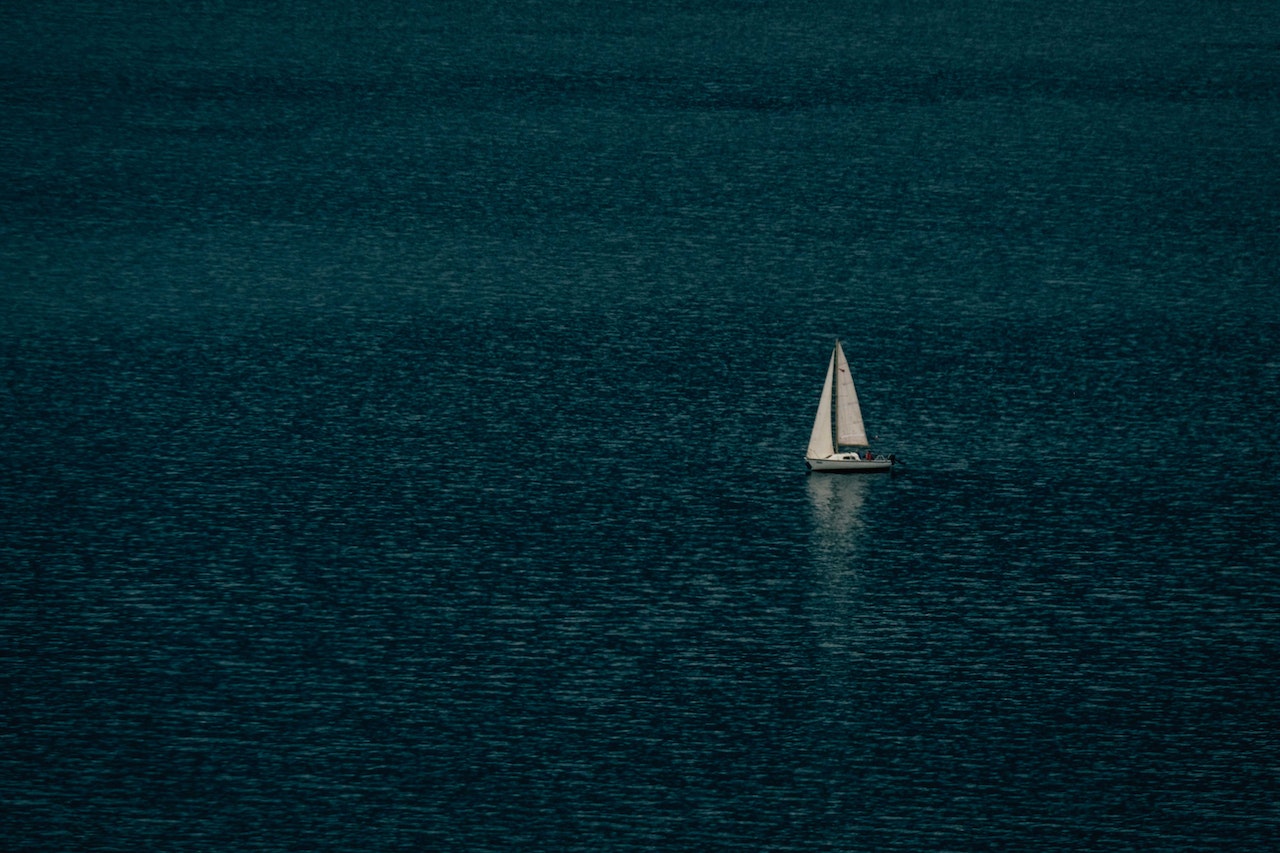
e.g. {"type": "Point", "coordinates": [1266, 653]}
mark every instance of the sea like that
{"type": "Point", "coordinates": [403, 410]}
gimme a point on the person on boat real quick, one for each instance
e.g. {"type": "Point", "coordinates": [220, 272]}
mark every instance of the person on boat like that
{"type": "Point", "coordinates": [870, 456]}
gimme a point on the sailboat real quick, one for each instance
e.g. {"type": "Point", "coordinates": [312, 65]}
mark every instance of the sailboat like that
{"type": "Point", "coordinates": [826, 453]}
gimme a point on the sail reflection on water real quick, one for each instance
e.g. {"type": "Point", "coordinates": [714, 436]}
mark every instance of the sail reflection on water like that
{"type": "Point", "coordinates": [836, 606]}
{"type": "Point", "coordinates": [836, 503]}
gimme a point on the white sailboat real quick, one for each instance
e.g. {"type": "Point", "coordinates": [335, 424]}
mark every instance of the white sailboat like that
{"type": "Point", "coordinates": [826, 453]}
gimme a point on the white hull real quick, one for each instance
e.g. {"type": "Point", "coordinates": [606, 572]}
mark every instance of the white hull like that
{"type": "Point", "coordinates": [846, 463]}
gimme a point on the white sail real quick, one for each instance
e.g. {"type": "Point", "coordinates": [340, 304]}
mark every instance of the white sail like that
{"type": "Point", "coordinates": [849, 428]}
{"type": "Point", "coordinates": [820, 444]}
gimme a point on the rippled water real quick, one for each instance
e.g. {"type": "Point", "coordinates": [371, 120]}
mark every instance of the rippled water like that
{"type": "Point", "coordinates": [403, 414]}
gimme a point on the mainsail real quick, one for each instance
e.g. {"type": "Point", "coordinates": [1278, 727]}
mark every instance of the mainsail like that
{"type": "Point", "coordinates": [849, 428]}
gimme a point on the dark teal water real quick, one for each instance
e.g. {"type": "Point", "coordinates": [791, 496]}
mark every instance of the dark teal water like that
{"type": "Point", "coordinates": [403, 409]}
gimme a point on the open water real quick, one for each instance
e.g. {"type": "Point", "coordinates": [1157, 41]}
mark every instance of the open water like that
{"type": "Point", "coordinates": [402, 410]}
